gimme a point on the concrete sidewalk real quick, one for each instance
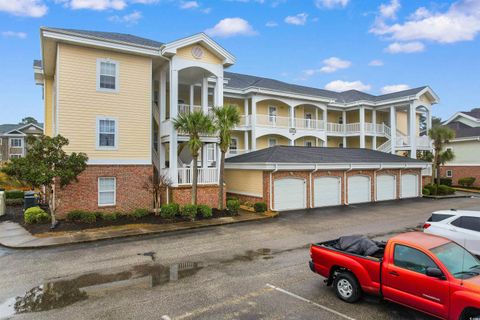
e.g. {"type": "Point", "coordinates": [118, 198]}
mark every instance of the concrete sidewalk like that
{"type": "Point", "coordinates": [13, 235]}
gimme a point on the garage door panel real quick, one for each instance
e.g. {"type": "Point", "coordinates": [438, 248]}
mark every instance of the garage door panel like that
{"type": "Point", "coordinates": [327, 191]}
{"type": "Point", "coordinates": [409, 188]}
{"type": "Point", "coordinates": [289, 194]}
{"type": "Point", "coordinates": [386, 188]}
{"type": "Point", "coordinates": [358, 189]}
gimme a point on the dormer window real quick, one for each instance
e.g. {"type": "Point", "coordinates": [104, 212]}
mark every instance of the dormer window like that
{"type": "Point", "coordinates": [107, 75]}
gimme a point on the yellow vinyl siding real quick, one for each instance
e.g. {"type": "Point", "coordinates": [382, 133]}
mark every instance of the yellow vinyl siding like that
{"type": "Point", "coordinates": [48, 123]}
{"type": "Point", "coordinates": [333, 142]}
{"type": "Point", "coordinates": [301, 141]}
{"type": "Point", "coordinates": [353, 116]}
{"type": "Point", "coordinates": [244, 181]}
{"type": "Point", "coordinates": [262, 142]}
{"type": "Point", "coordinates": [466, 152]}
{"type": "Point", "coordinates": [282, 108]}
{"type": "Point", "coordinates": [333, 116]}
{"type": "Point", "coordinates": [80, 103]}
{"type": "Point", "coordinates": [240, 139]}
{"type": "Point", "coordinates": [208, 56]}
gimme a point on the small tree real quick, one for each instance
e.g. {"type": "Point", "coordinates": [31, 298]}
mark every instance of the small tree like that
{"type": "Point", "coordinates": [195, 124]}
{"type": "Point", "coordinates": [226, 118]}
{"type": "Point", "coordinates": [47, 164]}
{"type": "Point", "coordinates": [440, 136]}
{"type": "Point", "coordinates": [28, 120]}
{"type": "Point", "coordinates": [157, 185]}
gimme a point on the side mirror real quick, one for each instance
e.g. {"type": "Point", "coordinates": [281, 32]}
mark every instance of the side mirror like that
{"type": "Point", "coordinates": [434, 272]}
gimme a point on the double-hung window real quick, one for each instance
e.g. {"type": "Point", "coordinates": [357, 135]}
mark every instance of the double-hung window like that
{"type": "Point", "coordinates": [107, 75]}
{"type": "Point", "coordinates": [16, 142]}
{"type": "Point", "coordinates": [107, 191]}
{"type": "Point", "coordinates": [107, 133]}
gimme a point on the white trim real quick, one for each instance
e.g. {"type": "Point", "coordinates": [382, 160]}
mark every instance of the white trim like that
{"type": "Point", "coordinates": [461, 114]}
{"type": "Point", "coordinates": [119, 162]}
{"type": "Point", "coordinates": [57, 88]}
{"type": "Point", "coordinates": [265, 166]}
{"type": "Point", "coordinates": [462, 165]}
{"type": "Point", "coordinates": [97, 137]}
{"type": "Point", "coordinates": [447, 173]}
{"type": "Point", "coordinates": [477, 138]}
{"type": "Point", "coordinates": [117, 73]}
{"type": "Point", "coordinates": [23, 127]}
{"type": "Point", "coordinates": [22, 142]}
{"type": "Point", "coordinates": [256, 195]}
{"type": "Point", "coordinates": [103, 191]}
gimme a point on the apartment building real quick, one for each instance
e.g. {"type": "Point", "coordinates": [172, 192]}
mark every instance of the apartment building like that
{"type": "Point", "coordinates": [13, 139]}
{"type": "Point", "coordinates": [114, 97]}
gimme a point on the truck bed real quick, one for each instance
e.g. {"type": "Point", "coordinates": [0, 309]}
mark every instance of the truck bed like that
{"type": "Point", "coordinates": [332, 245]}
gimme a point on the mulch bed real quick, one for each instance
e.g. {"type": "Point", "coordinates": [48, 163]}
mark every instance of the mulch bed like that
{"type": "Point", "coordinates": [15, 214]}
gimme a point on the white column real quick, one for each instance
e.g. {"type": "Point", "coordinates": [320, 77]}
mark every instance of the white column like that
{"type": "Point", "coordinates": [374, 121]}
{"type": "Point", "coordinates": [325, 119]}
{"type": "Point", "coordinates": [393, 128]}
{"type": "Point", "coordinates": [413, 130]}
{"type": "Point", "coordinates": [292, 117]}
{"type": "Point", "coordinates": [161, 151]}
{"type": "Point", "coordinates": [192, 97]}
{"type": "Point", "coordinates": [344, 142]}
{"type": "Point", "coordinates": [162, 92]}
{"type": "Point", "coordinates": [205, 94]}
{"type": "Point", "coordinates": [217, 158]}
{"type": "Point", "coordinates": [429, 119]}
{"type": "Point", "coordinates": [245, 140]}
{"type": "Point", "coordinates": [253, 120]}
{"type": "Point", "coordinates": [219, 92]}
{"type": "Point", "coordinates": [173, 135]}
{"type": "Point", "coordinates": [245, 111]}
{"type": "Point", "coordinates": [362, 127]}
{"type": "Point", "coordinates": [344, 118]}
{"type": "Point", "coordinates": [204, 156]}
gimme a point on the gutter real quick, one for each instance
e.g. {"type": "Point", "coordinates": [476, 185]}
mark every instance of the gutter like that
{"type": "Point", "coordinates": [271, 187]}
{"type": "Point", "coordinates": [345, 202]}
{"type": "Point", "coordinates": [311, 192]}
{"type": "Point", "coordinates": [375, 182]}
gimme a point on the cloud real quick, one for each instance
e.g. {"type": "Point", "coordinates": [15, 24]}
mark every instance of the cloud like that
{"type": "Point", "coordinates": [395, 88]}
{"type": "Point", "coordinates": [206, 10]}
{"type": "Point", "coordinates": [460, 22]}
{"type": "Point", "coordinates": [129, 19]}
{"type": "Point", "coordinates": [230, 27]}
{"type": "Point", "coordinates": [332, 64]}
{"type": "Point", "coordinates": [298, 20]}
{"type": "Point", "coordinates": [375, 63]}
{"type": "Point", "coordinates": [189, 5]}
{"type": "Point", "coordinates": [340, 86]}
{"type": "Point", "coordinates": [329, 4]}
{"type": "Point", "coordinates": [271, 24]}
{"type": "Point", "coordinates": [408, 47]}
{"type": "Point", "coordinates": [389, 11]}
{"type": "Point", "coordinates": [27, 8]}
{"type": "Point", "coordinates": [97, 5]}
{"type": "Point", "coordinates": [14, 34]}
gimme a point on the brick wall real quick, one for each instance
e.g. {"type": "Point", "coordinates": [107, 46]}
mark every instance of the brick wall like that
{"type": "Point", "coordinates": [206, 194]}
{"type": "Point", "coordinates": [459, 172]}
{"type": "Point", "coordinates": [130, 194]}
{"type": "Point", "coordinates": [244, 198]}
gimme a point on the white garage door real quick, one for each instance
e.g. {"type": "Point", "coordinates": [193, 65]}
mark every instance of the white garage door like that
{"type": "Point", "coordinates": [386, 187]}
{"type": "Point", "coordinates": [409, 186]}
{"type": "Point", "coordinates": [327, 191]}
{"type": "Point", "coordinates": [358, 189]}
{"type": "Point", "coordinates": [289, 194]}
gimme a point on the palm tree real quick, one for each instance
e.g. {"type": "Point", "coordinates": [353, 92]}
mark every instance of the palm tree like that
{"type": "Point", "coordinates": [440, 136]}
{"type": "Point", "coordinates": [194, 124]}
{"type": "Point", "coordinates": [226, 118]}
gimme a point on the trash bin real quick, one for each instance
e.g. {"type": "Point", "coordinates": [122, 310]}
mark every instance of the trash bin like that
{"type": "Point", "coordinates": [30, 199]}
{"type": "Point", "coordinates": [3, 206]}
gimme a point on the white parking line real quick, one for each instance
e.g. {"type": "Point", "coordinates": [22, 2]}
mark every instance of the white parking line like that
{"type": "Point", "coordinates": [309, 301]}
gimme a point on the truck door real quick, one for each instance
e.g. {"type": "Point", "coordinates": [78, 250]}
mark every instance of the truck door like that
{"type": "Point", "coordinates": [405, 282]}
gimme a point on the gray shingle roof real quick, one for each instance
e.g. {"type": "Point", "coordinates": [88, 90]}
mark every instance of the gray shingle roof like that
{"type": "Point", "coordinates": [473, 113]}
{"type": "Point", "coordinates": [463, 131]}
{"type": "Point", "coordinates": [243, 81]}
{"type": "Point", "coordinates": [10, 126]}
{"type": "Point", "coordinates": [319, 155]}
{"type": "Point", "coordinates": [37, 63]}
{"type": "Point", "coordinates": [111, 36]}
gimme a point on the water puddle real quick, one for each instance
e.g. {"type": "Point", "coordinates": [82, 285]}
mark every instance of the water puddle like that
{"type": "Point", "coordinates": [60, 293]}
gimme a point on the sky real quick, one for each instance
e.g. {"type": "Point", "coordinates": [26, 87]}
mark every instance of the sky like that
{"type": "Point", "coordinates": [369, 45]}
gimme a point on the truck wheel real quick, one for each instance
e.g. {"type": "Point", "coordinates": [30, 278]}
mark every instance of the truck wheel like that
{"type": "Point", "coordinates": [347, 287]}
{"type": "Point", "coordinates": [470, 314]}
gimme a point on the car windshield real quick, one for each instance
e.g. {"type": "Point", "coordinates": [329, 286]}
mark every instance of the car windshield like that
{"type": "Point", "coordinates": [459, 262]}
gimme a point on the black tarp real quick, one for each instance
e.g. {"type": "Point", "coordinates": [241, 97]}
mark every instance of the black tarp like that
{"type": "Point", "coordinates": [358, 245]}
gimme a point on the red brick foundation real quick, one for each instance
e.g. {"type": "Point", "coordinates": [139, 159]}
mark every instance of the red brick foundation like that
{"type": "Point", "coordinates": [206, 194]}
{"type": "Point", "coordinates": [459, 172]}
{"type": "Point", "coordinates": [130, 192]}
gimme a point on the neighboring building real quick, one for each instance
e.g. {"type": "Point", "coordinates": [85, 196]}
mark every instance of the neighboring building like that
{"type": "Point", "coordinates": [13, 139]}
{"type": "Point", "coordinates": [288, 178]}
{"type": "Point", "coordinates": [465, 146]}
{"type": "Point", "coordinates": [114, 97]}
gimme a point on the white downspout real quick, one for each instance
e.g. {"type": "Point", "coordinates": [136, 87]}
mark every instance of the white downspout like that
{"type": "Point", "coordinates": [400, 182]}
{"type": "Point", "coordinates": [375, 182]}
{"type": "Point", "coordinates": [311, 192]}
{"type": "Point", "coordinates": [345, 185]}
{"type": "Point", "coordinates": [271, 186]}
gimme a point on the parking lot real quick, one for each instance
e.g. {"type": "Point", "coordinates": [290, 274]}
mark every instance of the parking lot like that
{"type": "Point", "coordinates": [244, 271]}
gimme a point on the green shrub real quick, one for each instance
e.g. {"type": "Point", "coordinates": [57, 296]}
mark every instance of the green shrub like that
{"type": "Point", "coordinates": [14, 202]}
{"type": "Point", "coordinates": [169, 211]}
{"type": "Point", "coordinates": [445, 190]}
{"type": "Point", "coordinates": [140, 213]}
{"type": "Point", "coordinates": [426, 191]}
{"type": "Point", "coordinates": [189, 211]}
{"type": "Point", "coordinates": [232, 198]}
{"type": "Point", "coordinates": [466, 182]}
{"type": "Point", "coordinates": [82, 216]}
{"type": "Point", "coordinates": [75, 215]}
{"type": "Point", "coordinates": [260, 207]}
{"type": "Point", "coordinates": [36, 215]}
{"type": "Point", "coordinates": [204, 210]}
{"type": "Point", "coordinates": [98, 215]}
{"type": "Point", "coordinates": [110, 216]}
{"type": "Point", "coordinates": [446, 181]}
{"type": "Point", "coordinates": [14, 194]}
{"type": "Point", "coordinates": [233, 205]}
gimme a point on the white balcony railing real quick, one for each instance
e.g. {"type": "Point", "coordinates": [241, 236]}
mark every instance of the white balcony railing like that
{"type": "Point", "coordinates": [186, 108]}
{"type": "Point", "coordinates": [402, 140]}
{"type": "Point", "coordinates": [272, 121]}
{"type": "Point", "coordinates": [353, 128]}
{"type": "Point", "coordinates": [309, 124]}
{"type": "Point", "coordinates": [245, 121]}
{"type": "Point", "coordinates": [335, 128]}
{"type": "Point", "coordinates": [424, 142]}
{"type": "Point", "coordinates": [205, 176]}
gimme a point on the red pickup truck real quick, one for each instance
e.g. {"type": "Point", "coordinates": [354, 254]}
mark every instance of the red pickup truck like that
{"type": "Point", "coordinates": [429, 273]}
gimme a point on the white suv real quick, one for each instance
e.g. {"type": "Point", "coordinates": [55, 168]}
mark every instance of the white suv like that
{"type": "Point", "coordinates": [461, 226]}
